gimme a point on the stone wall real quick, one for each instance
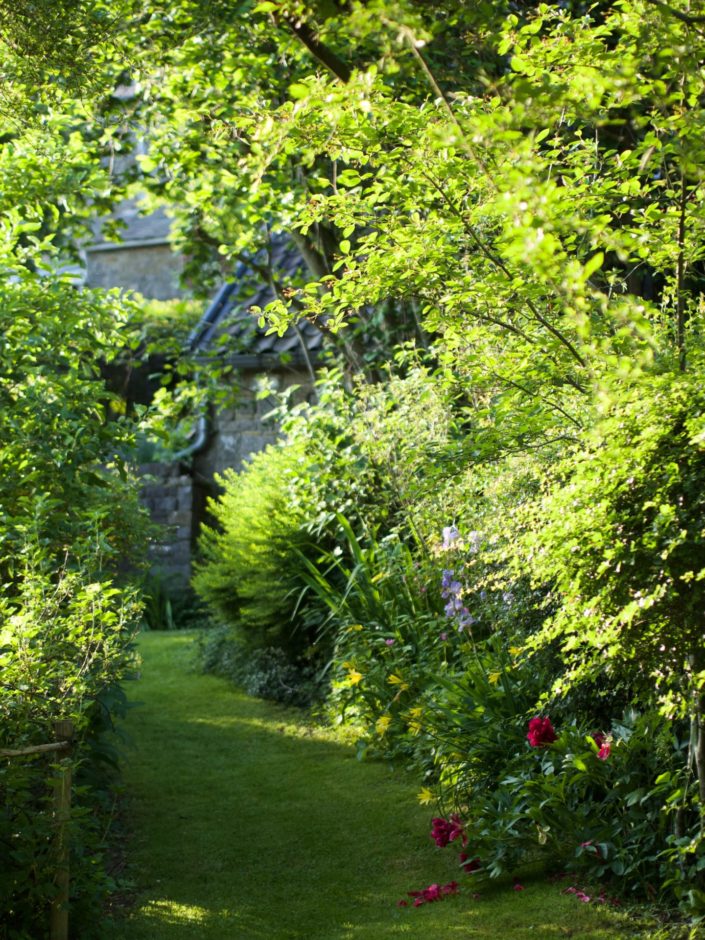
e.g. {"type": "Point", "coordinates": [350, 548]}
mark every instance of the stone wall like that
{"type": "Point", "coordinates": [241, 431]}
{"type": "Point", "coordinates": [168, 496]}
{"type": "Point", "coordinates": [153, 270]}
{"type": "Point", "coordinates": [176, 500]}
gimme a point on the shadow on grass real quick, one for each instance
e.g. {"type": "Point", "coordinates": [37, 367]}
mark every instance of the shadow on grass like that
{"type": "Point", "coordinates": [249, 825]}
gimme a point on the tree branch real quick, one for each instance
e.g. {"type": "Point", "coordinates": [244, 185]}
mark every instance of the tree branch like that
{"type": "Point", "coordinates": [414, 46]}
{"type": "Point", "coordinates": [690, 18]}
{"type": "Point", "coordinates": [319, 50]}
{"type": "Point", "coordinates": [493, 259]}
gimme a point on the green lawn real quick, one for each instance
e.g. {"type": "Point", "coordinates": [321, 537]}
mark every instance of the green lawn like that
{"type": "Point", "coordinates": [248, 825]}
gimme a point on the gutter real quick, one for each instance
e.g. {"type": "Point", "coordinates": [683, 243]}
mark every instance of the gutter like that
{"type": "Point", "coordinates": [129, 243]}
{"type": "Point", "coordinates": [199, 338]}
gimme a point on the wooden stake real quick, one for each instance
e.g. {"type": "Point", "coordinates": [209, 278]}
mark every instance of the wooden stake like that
{"type": "Point", "coordinates": [59, 923]}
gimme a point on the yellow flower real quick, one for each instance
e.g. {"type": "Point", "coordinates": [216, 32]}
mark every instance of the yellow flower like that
{"type": "Point", "coordinates": [493, 678]}
{"type": "Point", "coordinates": [354, 677]}
{"type": "Point", "coordinates": [425, 797]}
{"type": "Point", "coordinates": [383, 723]}
{"type": "Point", "coordinates": [515, 650]}
{"type": "Point", "coordinates": [355, 626]}
{"type": "Point", "coordinates": [413, 720]}
{"type": "Point", "coordinates": [397, 680]}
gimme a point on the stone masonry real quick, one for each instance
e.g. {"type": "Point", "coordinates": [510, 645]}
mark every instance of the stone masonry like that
{"type": "Point", "coordinates": [168, 495]}
{"type": "Point", "coordinates": [241, 431]}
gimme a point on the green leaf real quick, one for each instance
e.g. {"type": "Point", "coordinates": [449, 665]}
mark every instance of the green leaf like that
{"type": "Point", "coordinates": [299, 91]}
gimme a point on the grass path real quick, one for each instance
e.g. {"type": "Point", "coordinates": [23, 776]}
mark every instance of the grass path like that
{"type": "Point", "coordinates": [249, 826]}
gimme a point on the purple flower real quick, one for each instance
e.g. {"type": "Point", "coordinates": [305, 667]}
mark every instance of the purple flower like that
{"type": "Point", "coordinates": [389, 641]}
{"type": "Point", "coordinates": [475, 540]}
{"type": "Point", "coordinates": [451, 534]}
{"type": "Point", "coordinates": [465, 619]}
{"type": "Point", "coordinates": [453, 607]}
{"type": "Point", "coordinates": [444, 637]}
{"type": "Point", "coordinates": [449, 587]}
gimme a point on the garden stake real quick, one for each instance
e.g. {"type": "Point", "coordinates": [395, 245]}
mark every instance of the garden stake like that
{"type": "Point", "coordinates": [59, 924]}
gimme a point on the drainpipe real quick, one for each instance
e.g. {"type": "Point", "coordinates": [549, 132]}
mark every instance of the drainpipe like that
{"type": "Point", "coordinates": [200, 337]}
{"type": "Point", "coordinates": [199, 442]}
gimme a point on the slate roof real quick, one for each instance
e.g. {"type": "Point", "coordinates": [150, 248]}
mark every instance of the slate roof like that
{"type": "Point", "coordinates": [229, 330]}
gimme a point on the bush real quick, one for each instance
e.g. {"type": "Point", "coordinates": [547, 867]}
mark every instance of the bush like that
{"type": "Point", "coordinates": [602, 803]}
{"type": "Point", "coordinates": [347, 455]}
{"type": "Point", "coordinates": [169, 604]}
{"type": "Point", "coordinates": [265, 673]}
{"type": "Point", "coordinates": [248, 575]}
{"type": "Point", "coordinates": [69, 517]}
{"type": "Point", "coordinates": [65, 645]}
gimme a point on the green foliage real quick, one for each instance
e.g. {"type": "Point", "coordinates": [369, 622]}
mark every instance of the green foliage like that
{"type": "Point", "coordinates": [265, 673]}
{"type": "Point", "coordinates": [344, 464]}
{"type": "Point", "coordinates": [388, 635]}
{"type": "Point", "coordinates": [248, 575]}
{"type": "Point", "coordinates": [607, 819]}
{"type": "Point", "coordinates": [165, 325]}
{"type": "Point", "coordinates": [61, 463]}
{"type": "Point", "coordinates": [169, 604]}
{"type": "Point", "coordinates": [69, 513]}
{"type": "Point", "coordinates": [619, 535]}
{"type": "Point", "coordinates": [523, 184]}
{"type": "Point", "coordinates": [65, 644]}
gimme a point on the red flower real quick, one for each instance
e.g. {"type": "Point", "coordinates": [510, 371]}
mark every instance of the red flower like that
{"type": "Point", "coordinates": [604, 744]}
{"type": "Point", "coordinates": [434, 892]}
{"type": "Point", "coordinates": [541, 732]}
{"type": "Point", "coordinates": [469, 866]}
{"type": "Point", "coordinates": [444, 831]}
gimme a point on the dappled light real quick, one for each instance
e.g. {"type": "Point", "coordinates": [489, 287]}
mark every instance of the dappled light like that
{"type": "Point", "coordinates": [352, 469]}
{"type": "Point", "coordinates": [246, 821]}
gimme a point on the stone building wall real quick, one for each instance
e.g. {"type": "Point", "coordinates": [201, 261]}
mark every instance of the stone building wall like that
{"type": "Point", "coordinates": [242, 430]}
{"type": "Point", "coordinates": [176, 495]}
{"type": "Point", "coordinates": [153, 270]}
{"type": "Point", "coordinates": [167, 494]}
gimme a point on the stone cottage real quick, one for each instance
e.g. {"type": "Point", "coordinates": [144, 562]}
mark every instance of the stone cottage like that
{"type": "Point", "coordinates": [176, 492]}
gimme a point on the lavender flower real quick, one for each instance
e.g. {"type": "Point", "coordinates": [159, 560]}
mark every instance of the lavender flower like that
{"type": "Point", "coordinates": [465, 620]}
{"type": "Point", "coordinates": [451, 534]}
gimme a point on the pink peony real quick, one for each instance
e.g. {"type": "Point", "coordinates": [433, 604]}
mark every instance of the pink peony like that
{"type": "Point", "coordinates": [444, 831]}
{"type": "Point", "coordinates": [434, 892]}
{"type": "Point", "coordinates": [604, 744]}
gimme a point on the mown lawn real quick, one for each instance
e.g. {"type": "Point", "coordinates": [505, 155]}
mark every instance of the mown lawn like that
{"type": "Point", "coordinates": [249, 825]}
